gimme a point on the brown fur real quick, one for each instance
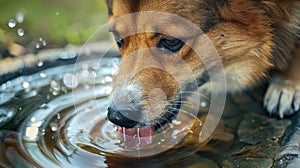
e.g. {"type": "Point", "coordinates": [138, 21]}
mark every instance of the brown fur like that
{"type": "Point", "coordinates": [252, 38]}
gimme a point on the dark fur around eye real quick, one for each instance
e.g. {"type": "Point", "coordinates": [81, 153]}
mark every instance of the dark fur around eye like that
{"type": "Point", "coordinates": [171, 44]}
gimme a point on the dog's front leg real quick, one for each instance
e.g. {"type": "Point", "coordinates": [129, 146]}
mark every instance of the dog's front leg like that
{"type": "Point", "coordinates": [283, 95]}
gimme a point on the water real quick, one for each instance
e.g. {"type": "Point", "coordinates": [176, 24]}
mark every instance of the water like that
{"type": "Point", "coordinates": [57, 118]}
{"type": "Point", "coordinates": [20, 17]}
{"type": "Point", "coordinates": [20, 32]}
{"type": "Point", "coordinates": [12, 23]}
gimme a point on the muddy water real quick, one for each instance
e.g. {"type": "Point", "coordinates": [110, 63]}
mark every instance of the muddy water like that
{"type": "Point", "coordinates": [56, 117]}
{"type": "Point", "coordinates": [53, 114]}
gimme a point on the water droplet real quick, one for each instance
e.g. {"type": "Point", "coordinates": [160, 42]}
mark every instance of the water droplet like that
{"type": "Point", "coordinates": [55, 87]}
{"type": "Point", "coordinates": [85, 73]}
{"type": "Point", "coordinates": [12, 23]}
{"type": "Point", "coordinates": [33, 119]}
{"type": "Point", "coordinates": [106, 90]}
{"type": "Point", "coordinates": [40, 63]}
{"type": "Point", "coordinates": [68, 55]}
{"type": "Point", "coordinates": [70, 81]}
{"type": "Point", "coordinates": [44, 106]}
{"type": "Point", "coordinates": [42, 74]}
{"type": "Point", "coordinates": [163, 140]}
{"type": "Point", "coordinates": [43, 132]}
{"type": "Point", "coordinates": [58, 116]}
{"type": "Point", "coordinates": [37, 46]}
{"type": "Point", "coordinates": [4, 86]}
{"type": "Point", "coordinates": [57, 13]}
{"type": "Point", "coordinates": [20, 17]}
{"type": "Point", "coordinates": [54, 126]}
{"type": "Point", "coordinates": [44, 43]}
{"type": "Point", "coordinates": [203, 104]}
{"type": "Point", "coordinates": [176, 122]}
{"type": "Point", "coordinates": [48, 97]}
{"type": "Point", "coordinates": [26, 85]}
{"type": "Point", "coordinates": [20, 32]}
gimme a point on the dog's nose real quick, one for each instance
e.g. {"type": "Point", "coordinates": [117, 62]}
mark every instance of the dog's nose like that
{"type": "Point", "coordinates": [117, 117]}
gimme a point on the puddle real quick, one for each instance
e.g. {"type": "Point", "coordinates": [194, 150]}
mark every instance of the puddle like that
{"type": "Point", "coordinates": [56, 117]}
{"type": "Point", "coordinates": [53, 114]}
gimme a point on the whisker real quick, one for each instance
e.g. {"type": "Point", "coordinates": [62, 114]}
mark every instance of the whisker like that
{"type": "Point", "coordinates": [162, 129]}
{"type": "Point", "coordinates": [185, 112]}
{"type": "Point", "coordinates": [197, 93]}
{"type": "Point", "coordinates": [186, 103]}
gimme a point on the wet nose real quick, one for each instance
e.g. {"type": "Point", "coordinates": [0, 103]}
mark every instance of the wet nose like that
{"type": "Point", "coordinates": [121, 118]}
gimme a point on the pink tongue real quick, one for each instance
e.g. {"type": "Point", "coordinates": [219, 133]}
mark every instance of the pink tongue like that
{"type": "Point", "coordinates": [136, 138]}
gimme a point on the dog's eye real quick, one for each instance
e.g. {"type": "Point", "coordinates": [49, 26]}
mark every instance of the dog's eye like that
{"type": "Point", "coordinates": [119, 41]}
{"type": "Point", "coordinates": [118, 38]}
{"type": "Point", "coordinates": [171, 44]}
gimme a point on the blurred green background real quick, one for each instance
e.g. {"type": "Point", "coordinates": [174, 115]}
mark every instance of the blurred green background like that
{"type": "Point", "coordinates": [57, 22]}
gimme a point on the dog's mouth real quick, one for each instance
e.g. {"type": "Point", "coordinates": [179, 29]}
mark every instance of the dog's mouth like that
{"type": "Point", "coordinates": [140, 134]}
{"type": "Point", "coordinates": [143, 134]}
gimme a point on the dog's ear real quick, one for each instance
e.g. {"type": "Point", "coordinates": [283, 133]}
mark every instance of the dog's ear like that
{"type": "Point", "coordinates": [242, 11]}
{"type": "Point", "coordinates": [109, 4]}
{"type": "Point", "coordinates": [223, 8]}
{"type": "Point", "coordinates": [219, 4]}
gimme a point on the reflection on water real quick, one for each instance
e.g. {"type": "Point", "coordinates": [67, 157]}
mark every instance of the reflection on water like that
{"type": "Point", "coordinates": [57, 118]}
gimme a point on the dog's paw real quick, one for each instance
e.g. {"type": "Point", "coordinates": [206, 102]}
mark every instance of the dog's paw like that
{"type": "Point", "coordinates": [282, 98]}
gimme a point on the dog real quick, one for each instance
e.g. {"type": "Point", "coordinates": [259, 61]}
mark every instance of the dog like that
{"type": "Point", "coordinates": [256, 41]}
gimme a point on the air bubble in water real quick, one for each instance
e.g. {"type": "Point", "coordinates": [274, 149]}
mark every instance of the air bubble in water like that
{"type": "Point", "coordinates": [12, 23]}
{"type": "Point", "coordinates": [20, 32]}
{"type": "Point", "coordinates": [70, 81]}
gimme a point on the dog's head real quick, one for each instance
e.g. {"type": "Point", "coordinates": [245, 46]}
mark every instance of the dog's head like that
{"type": "Point", "coordinates": [162, 51]}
